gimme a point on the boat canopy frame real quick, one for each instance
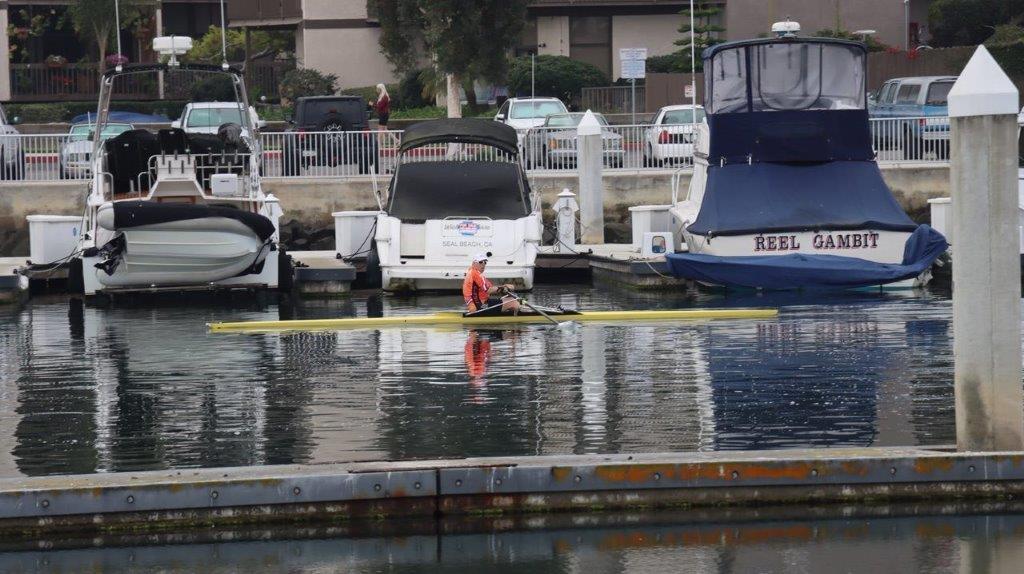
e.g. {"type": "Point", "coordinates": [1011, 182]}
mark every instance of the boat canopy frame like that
{"type": "Point", "coordinates": [741, 76]}
{"type": "Point", "coordinates": [461, 130]}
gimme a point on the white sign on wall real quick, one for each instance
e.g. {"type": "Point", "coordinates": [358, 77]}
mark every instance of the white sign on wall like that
{"type": "Point", "coordinates": [688, 91]}
{"type": "Point", "coordinates": [633, 62]}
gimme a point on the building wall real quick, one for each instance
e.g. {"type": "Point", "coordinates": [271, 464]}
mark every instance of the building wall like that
{"type": "Point", "coordinates": [5, 63]}
{"type": "Point", "coordinates": [656, 32]}
{"type": "Point", "coordinates": [553, 35]}
{"type": "Point", "coordinates": [333, 9]}
{"type": "Point", "coordinates": [353, 54]}
{"type": "Point", "coordinates": [750, 18]}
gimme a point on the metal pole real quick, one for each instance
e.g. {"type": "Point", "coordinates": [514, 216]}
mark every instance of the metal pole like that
{"type": "Point", "coordinates": [533, 75]}
{"type": "Point", "coordinates": [906, 22]}
{"type": "Point", "coordinates": [693, 73]}
{"type": "Point", "coordinates": [632, 89]}
{"type": "Point", "coordinates": [986, 259]}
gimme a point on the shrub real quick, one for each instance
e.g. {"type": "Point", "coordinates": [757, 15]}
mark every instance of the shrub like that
{"type": "Point", "coordinates": [410, 91]}
{"type": "Point", "coordinates": [676, 62]}
{"type": "Point", "coordinates": [557, 76]}
{"type": "Point", "coordinates": [305, 82]}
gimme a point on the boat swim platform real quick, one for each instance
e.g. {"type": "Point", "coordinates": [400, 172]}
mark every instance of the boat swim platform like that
{"type": "Point", "coordinates": [458, 319]}
{"type": "Point", "coordinates": [799, 482]}
{"type": "Point", "coordinates": [617, 263]}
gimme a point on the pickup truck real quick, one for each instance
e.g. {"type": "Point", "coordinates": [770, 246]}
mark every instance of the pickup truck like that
{"type": "Point", "coordinates": [923, 101]}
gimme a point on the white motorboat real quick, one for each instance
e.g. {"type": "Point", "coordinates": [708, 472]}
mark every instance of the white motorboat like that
{"type": "Point", "coordinates": [459, 189]}
{"type": "Point", "coordinates": [178, 210]}
{"type": "Point", "coordinates": [785, 191]}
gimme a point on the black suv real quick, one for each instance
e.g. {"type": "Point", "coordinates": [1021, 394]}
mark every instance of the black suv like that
{"type": "Point", "coordinates": [353, 144]}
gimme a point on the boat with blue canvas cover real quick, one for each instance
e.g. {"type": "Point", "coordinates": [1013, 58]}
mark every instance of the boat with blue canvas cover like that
{"type": "Point", "coordinates": [786, 193]}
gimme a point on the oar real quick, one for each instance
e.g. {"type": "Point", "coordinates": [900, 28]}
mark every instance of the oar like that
{"type": "Point", "coordinates": [527, 303]}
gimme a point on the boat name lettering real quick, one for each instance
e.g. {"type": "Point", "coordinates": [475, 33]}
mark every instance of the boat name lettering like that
{"type": "Point", "coordinates": [467, 243]}
{"type": "Point", "coordinates": [845, 240]}
{"type": "Point", "coordinates": [776, 243]}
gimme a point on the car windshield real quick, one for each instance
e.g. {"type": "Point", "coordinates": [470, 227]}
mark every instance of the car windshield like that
{"type": "Point", "coordinates": [682, 116]}
{"type": "Point", "coordinates": [938, 93]}
{"type": "Point", "coordinates": [82, 132]}
{"type": "Point", "coordinates": [214, 117]}
{"type": "Point", "coordinates": [531, 110]}
{"type": "Point", "coordinates": [571, 120]}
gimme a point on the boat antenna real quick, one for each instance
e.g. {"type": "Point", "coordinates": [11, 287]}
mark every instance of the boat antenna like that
{"type": "Point", "coordinates": [117, 22]}
{"type": "Point", "coordinates": [223, 37]}
{"type": "Point", "coordinates": [693, 74]}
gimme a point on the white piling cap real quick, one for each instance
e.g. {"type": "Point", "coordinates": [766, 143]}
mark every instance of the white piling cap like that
{"type": "Point", "coordinates": [589, 126]}
{"type": "Point", "coordinates": [566, 193]}
{"type": "Point", "coordinates": [983, 89]}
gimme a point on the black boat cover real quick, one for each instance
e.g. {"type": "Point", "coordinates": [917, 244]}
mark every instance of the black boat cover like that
{"type": "Point", "coordinates": [461, 130]}
{"type": "Point", "coordinates": [128, 214]}
{"type": "Point", "coordinates": [790, 136]}
{"type": "Point", "coordinates": [775, 197]}
{"type": "Point", "coordinates": [439, 189]}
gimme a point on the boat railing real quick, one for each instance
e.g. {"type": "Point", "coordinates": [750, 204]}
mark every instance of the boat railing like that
{"type": "Point", "coordinates": [48, 157]}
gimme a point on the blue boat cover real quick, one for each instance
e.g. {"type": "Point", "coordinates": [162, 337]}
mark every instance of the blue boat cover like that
{"type": "Point", "coordinates": [771, 198]}
{"type": "Point", "coordinates": [803, 271]}
{"type": "Point", "coordinates": [790, 136]}
{"type": "Point", "coordinates": [122, 118]}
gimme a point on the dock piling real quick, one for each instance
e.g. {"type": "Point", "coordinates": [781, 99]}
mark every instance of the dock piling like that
{"type": "Point", "coordinates": [986, 264]}
{"type": "Point", "coordinates": [589, 152]}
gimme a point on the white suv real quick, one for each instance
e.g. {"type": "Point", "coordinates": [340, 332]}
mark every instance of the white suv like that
{"type": "Point", "coordinates": [526, 113]}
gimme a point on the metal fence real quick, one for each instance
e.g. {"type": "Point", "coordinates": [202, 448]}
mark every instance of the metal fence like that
{"type": "Point", "coordinates": [614, 99]}
{"type": "Point", "coordinates": [341, 155]}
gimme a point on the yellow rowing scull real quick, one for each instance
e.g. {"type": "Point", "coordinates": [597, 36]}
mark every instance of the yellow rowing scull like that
{"type": "Point", "coordinates": [454, 318]}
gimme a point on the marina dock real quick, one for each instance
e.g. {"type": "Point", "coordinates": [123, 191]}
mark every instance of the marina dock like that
{"type": "Point", "coordinates": [502, 486]}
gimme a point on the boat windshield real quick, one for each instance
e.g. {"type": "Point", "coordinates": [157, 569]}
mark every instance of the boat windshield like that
{"type": "Point", "coordinates": [785, 76]}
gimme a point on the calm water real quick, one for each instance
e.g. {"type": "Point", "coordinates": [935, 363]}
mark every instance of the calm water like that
{"type": "Point", "coordinates": [666, 542]}
{"type": "Point", "coordinates": [145, 386]}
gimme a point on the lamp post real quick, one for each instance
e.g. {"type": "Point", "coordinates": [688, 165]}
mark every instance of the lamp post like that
{"type": "Point", "coordinates": [906, 22]}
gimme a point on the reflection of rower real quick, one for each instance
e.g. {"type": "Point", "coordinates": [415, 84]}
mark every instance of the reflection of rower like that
{"type": "Point", "coordinates": [478, 292]}
{"type": "Point", "coordinates": [478, 354]}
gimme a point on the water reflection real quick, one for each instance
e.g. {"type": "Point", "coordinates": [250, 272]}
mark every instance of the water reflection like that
{"type": "Point", "coordinates": [89, 389]}
{"type": "Point", "coordinates": [854, 540]}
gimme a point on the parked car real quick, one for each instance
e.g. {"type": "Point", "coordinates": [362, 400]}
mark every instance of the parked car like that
{"type": "Point", "coordinates": [924, 100]}
{"type": "Point", "coordinates": [12, 153]}
{"type": "Point", "coordinates": [553, 144]}
{"type": "Point", "coordinates": [340, 135]}
{"type": "Point", "coordinates": [76, 153]}
{"type": "Point", "coordinates": [208, 117]}
{"type": "Point", "coordinates": [671, 136]}
{"type": "Point", "coordinates": [526, 113]}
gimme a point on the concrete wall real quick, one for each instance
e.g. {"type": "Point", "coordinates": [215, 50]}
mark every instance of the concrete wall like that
{"type": "Point", "coordinates": [750, 18]}
{"type": "Point", "coordinates": [20, 199]}
{"type": "Point", "coordinates": [334, 9]}
{"type": "Point", "coordinates": [656, 32]}
{"type": "Point", "coordinates": [553, 35]}
{"type": "Point", "coordinates": [310, 202]}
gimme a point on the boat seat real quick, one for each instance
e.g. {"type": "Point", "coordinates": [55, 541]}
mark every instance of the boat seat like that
{"type": "Point", "coordinates": [173, 141]}
{"type": "Point", "coordinates": [128, 156]}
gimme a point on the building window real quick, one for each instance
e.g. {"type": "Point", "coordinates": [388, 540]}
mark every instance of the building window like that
{"type": "Point", "coordinates": [590, 41]}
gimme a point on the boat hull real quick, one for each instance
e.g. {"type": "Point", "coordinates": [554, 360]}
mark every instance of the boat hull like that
{"type": "Point", "coordinates": [180, 253]}
{"type": "Point", "coordinates": [441, 319]}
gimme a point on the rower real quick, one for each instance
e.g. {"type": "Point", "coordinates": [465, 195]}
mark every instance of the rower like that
{"type": "Point", "coordinates": [479, 293]}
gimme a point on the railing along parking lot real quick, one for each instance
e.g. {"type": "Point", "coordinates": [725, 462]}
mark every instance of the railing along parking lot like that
{"type": "Point", "coordinates": [360, 153]}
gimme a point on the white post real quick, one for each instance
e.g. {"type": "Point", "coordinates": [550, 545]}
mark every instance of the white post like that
{"type": "Point", "coordinates": [632, 89]}
{"type": "Point", "coordinates": [565, 209]}
{"type": "Point", "coordinates": [986, 259]}
{"type": "Point", "coordinates": [589, 160]}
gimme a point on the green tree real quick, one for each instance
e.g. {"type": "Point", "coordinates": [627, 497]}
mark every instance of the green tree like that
{"type": "Point", "coordinates": [95, 24]}
{"type": "Point", "coordinates": [556, 76]}
{"type": "Point", "coordinates": [208, 49]}
{"type": "Point", "coordinates": [970, 22]}
{"type": "Point", "coordinates": [466, 40]}
{"type": "Point", "coordinates": [870, 41]}
{"type": "Point", "coordinates": [703, 34]}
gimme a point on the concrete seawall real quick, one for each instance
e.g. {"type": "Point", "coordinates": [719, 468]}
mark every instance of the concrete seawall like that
{"type": "Point", "coordinates": [310, 201]}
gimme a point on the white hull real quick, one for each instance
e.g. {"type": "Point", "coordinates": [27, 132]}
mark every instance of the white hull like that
{"type": "Point", "coordinates": [425, 278]}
